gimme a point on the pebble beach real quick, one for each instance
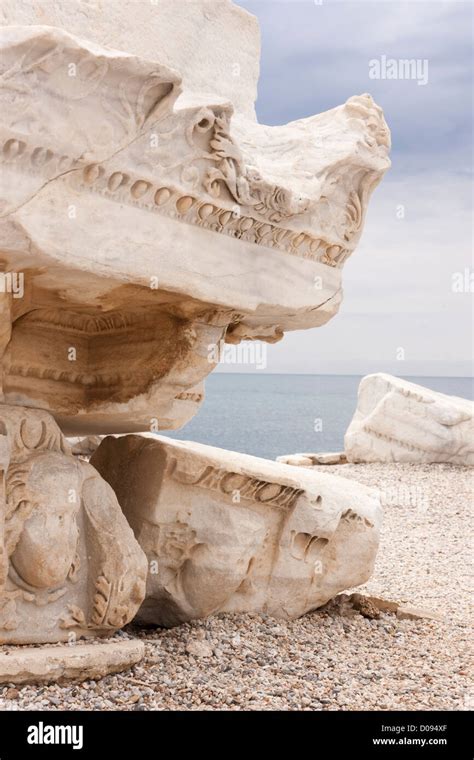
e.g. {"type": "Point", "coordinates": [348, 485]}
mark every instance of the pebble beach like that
{"type": "Point", "coordinates": [326, 660]}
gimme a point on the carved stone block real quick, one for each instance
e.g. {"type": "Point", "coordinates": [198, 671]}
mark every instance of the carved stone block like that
{"type": "Point", "coordinates": [149, 218]}
{"type": "Point", "coordinates": [399, 421]}
{"type": "Point", "coordinates": [227, 532]}
{"type": "Point", "coordinates": [69, 563]}
{"type": "Point", "coordinates": [50, 664]}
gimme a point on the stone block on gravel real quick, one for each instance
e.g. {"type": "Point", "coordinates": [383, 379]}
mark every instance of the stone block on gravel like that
{"type": "Point", "coordinates": [78, 662]}
{"type": "Point", "coordinates": [399, 421]}
{"type": "Point", "coordinates": [228, 532]}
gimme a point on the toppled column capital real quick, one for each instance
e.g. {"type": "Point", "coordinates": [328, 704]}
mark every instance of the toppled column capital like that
{"type": "Point", "coordinates": [228, 532]}
{"type": "Point", "coordinates": [151, 216]}
{"type": "Point", "coordinates": [69, 564]}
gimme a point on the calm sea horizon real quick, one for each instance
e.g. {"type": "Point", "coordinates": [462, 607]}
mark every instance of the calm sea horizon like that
{"type": "Point", "coordinates": [270, 415]}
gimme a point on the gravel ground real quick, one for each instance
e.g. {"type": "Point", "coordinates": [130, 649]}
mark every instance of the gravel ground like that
{"type": "Point", "coordinates": [323, 661]}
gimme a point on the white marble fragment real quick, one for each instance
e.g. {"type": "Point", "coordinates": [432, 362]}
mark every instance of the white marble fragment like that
{"type": "Point", "coordinates": [150, 215]}
{"type": "Point", "coordinates": [399, 421]}
{"type": "Point", "coordinates": [228, 532]}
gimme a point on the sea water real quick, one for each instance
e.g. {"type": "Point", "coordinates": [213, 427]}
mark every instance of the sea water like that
{"type": "Point", "coordinates": [269, 415]}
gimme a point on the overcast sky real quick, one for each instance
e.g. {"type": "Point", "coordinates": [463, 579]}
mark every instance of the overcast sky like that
{"type": "Point", "coordinates": [398, 283]}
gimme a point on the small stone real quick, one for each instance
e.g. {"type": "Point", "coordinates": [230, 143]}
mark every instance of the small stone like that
{"type": "Point", "coordinates": [365, 606]}
{"type": "Point", "coordinates": [198, 648]}
{"type": "Point", "coordinates": [406, 612]}
{"type": "Point", "coordinates": [297, 460]}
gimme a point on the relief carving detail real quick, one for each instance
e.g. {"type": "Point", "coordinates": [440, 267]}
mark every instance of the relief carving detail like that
{"type": "Point", "coordinates": [69, 562]}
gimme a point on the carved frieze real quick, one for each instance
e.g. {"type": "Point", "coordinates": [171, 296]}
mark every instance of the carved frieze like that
{"type": "Point", "coordinates": [69, 564]}
{"type": "Point", "coordinates": [151, 222]}
{"type": "Point", "coordinates": [228, 532]}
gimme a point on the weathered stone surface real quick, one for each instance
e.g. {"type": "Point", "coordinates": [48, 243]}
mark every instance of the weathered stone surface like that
{"type": "Point", "coordinates": [150, 215]}
{"type": "Point", "coordinates": [230, 532]}
{"type": "Point", "coordinates": [192, 36]}
{"type": "Point", "coordinates": [398, 421]}
{"type": "Point", "coordinates": [61, 663]}
{"type": "Point", "coordinates": [69, 563]}
{"type": "Point", "coordinates": [84, 447]}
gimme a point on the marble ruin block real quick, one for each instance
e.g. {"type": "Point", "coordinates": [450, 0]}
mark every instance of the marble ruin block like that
{"type": "Point", "coordinates": [228, 532]}
{"type": "Point", "coordinates": [146, 220]}
{"type": "Point", "coordinates": [399, 421]}
{"type": "Point", "coordinates": [147, 217]}
{"type": "Point", "coordinates": [69, 563]}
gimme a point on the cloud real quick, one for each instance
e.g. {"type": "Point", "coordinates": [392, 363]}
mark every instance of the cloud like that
{"type": "Point", "coordinates": [398, 289]}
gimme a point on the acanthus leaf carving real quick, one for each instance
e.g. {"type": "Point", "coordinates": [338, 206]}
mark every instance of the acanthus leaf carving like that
{"type": "Point", "coordinates": [59, 570]}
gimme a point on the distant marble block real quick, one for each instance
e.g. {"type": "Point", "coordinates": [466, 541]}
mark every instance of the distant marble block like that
{"type": "Point", "coordinates": [227, 532]}
{"type": "Point", "coordinates": [69, 563]}
{"type": "Point", "coordinates": [310, 460]}
{"type": "Point", "coordinates": [398, 421]}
